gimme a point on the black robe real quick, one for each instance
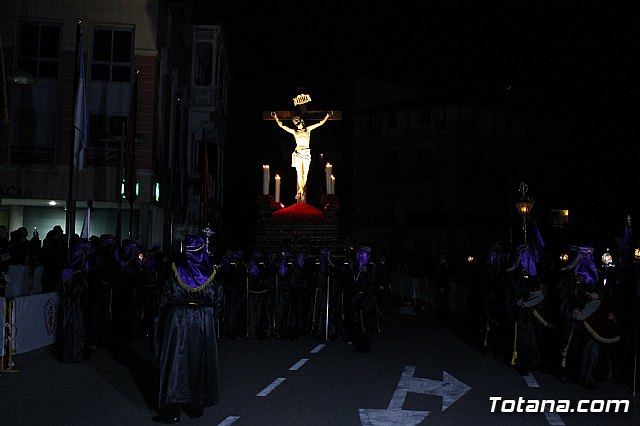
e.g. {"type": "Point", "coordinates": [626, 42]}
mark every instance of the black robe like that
{"type": "Point", "coordinates": [259, 304]}
{"type": "Point", "coordinates": [234, 317]}
{"type": "Point", "coordinates": [70, 344]}
{"type": "Point", "coordinates": [526, 349]}
{"type": "Point", "coordinates": [188, 350]}
{"type": "Point", "coordinates": [362, 319]}
{"type": "Point", "coordinates": [323, 281]}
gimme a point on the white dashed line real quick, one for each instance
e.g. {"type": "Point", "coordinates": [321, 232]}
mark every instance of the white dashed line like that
{"type": "Point", "coordinates": [266, 391]}
{"type": "Point", "coordinates": [298, 364]}
{"type": "Point", "coordinates": [554, 419]}
{"type": "Point", "coordinates": [531, 381]}
{"type": "Point", "coordinates": [229, 420]}
{"type": "Point", "coordinates": [318, 348]}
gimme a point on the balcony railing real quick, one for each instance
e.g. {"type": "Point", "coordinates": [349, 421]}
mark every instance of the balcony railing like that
{"type": "Point", "coordinates": [102, 157]}
{"type": "Point", "coordinates": [32, 154]}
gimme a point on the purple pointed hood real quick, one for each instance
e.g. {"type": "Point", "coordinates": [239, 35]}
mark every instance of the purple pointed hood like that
{"type": "Point", "coordinates": [194, 271]}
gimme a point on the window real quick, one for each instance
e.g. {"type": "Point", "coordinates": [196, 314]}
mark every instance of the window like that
{"type": "Point", "coordinates": [559, 218]}
{"type": "Point", "coordinates": [34, 106]}
{"type": "Point", "coordinates": [38, 49]}
{"type": "Point", "coordinates": [105, 138]}
{"type": "Point", "coordinates": [111, 55]}
{"type": "Point", "coordinates": [204, 64]}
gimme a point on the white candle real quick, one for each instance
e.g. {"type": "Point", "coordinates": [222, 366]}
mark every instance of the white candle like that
{"type": "Point", "coordinates": [277, 188]}
{"type": "Point", "coordinates": [327, 173]}
{"type": "Point", "coordinates": [333, 184]}
{"type": "Point", "coordinates": [265, 179]}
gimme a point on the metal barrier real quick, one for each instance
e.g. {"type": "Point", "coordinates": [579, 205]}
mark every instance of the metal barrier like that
{"type": "Point", "coordinates": [6, 359]}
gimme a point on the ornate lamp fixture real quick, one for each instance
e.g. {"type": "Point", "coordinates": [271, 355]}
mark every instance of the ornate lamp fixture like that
{"type": "Point", "coordinates": [524, 206]}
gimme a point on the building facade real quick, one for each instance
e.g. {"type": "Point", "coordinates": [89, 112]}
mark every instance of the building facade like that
{"type": "Point", "coordinates": [153, 39]}
{"type": "Point", "coordinates": [432, 175]}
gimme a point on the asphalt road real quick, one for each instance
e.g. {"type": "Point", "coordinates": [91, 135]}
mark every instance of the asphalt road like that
{"type": "Point", "coordinates": [420, 371]}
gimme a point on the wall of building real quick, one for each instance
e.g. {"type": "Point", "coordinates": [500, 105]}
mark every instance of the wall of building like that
{"type": "Point", "coordinates": [46, 178]}
{"type": "Point", "coordinates": [433, 177]}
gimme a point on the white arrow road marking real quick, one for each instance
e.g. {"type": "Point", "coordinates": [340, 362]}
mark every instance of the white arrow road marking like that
{"type": "Point", "coordinates": [298, 364]}
{"type": "Point", "coordinates": [373, 417]}
{"type": "Point", "coordinates": [229, 420]}
{"type": "Point", "coordinates": [266, 391]}
{"type": "Point", "coordinates": [450, 388]}
{"type": "Point", "coordinates": [318, 348]}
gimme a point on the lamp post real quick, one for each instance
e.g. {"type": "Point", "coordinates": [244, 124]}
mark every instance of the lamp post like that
{"type": "Point", "coordinates": [524, 206]}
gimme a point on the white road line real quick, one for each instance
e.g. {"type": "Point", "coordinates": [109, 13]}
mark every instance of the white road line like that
{"type": "Point", "coordinates": [318, 348]}
{"type": "Point", "coordinates": [229, 420]}
{"type": "Point", "coordinates": [554, 419]}
{"type": "Point", "coordinates": [531, 381]}
{"type": "Point", "coordinates": [298, 364]}
{"type": "Point", "coordinates": [266, 391]}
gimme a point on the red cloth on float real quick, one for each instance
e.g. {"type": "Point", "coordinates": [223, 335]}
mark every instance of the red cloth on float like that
{"type": "Point", "coordinates": [298, 214]}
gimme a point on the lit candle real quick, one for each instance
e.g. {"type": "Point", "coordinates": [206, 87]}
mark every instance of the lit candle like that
{"type": "Point", "coordinates": [327, 173]}
{"type": "Point", "coordinates": [265, 179]}
{"type": "Point", "coordinates": [277, 188]}
{"type": "Point", "coordinates": [333, 184]}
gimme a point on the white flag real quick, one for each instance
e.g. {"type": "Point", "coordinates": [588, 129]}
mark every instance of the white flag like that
{"type": "Point", "coordinates": [80, 112]}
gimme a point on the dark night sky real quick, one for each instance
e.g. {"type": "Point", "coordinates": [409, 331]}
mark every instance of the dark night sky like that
{"type": "Point", "coordinates": [580, 53]}
{"type": "Point", "coordinates": [551, 47]}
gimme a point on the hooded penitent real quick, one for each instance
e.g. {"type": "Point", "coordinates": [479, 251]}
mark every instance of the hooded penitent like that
{"type": "Point", "coordinates": [526, 260]}
{"type": "Point", "coordinates": [195, 270]}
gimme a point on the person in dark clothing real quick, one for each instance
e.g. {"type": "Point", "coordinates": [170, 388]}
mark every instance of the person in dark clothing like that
{"type": "Point", "coordinates": [523, 294]}
{"type": "Point", "coordinates": [148, 297]}
{"type": "Point", "coordinates": [233, 281]}
{"type": "Point", "coordinates": [362, 315]}
{"type": "Point", "coordinates": [127, 299]}
{"type": "Point", "coordinates": [324, 316]}
{"type": "Point", "coordinates": [494, 299]}
{"type": "Point", "coordinates": [185, 336]}
{"type": "Point", "coordinates": [258, 294]}
{"type": "Point", "coordinates": [70, 337]}
{"type": "Point", "coordinates": [53, 256]}
{"type": "Point", "coordinates": [442, 281]}
{"type": "Point", "coordinates": [106, 276]}
{"type": "Point", "coordinates": [5, 257]}
{"type": "Point", "coordinates": [19, 246]}
{"type": "Point", "coordinates": [587, 319]}
{"type": "Point", "coordinates": [291, 287]}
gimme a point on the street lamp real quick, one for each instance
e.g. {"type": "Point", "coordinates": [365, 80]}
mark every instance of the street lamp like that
{"type": "Point", "coordinates": [524, 206]}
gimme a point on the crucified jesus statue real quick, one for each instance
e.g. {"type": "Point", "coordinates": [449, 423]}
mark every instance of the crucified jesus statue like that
{"type": "Point", "coordinates": [301, 156]}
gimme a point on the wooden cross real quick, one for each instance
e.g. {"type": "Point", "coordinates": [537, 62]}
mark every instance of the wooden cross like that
{"type": "Point", "coordinates": [301, 156]}
{"type": "Point", "coordinates": [300, 102]}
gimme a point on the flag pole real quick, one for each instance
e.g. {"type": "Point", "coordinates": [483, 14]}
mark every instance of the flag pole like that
{"type": "Point", "coordinates": [130, 178]}
{"type": "Point", "coordinates": [205, 180]}
{"type": "Point", "coordinates": [4, 108]}
{"type": "Point", "coordinates": [71, 209]}
{"type": "Point", "coordinates": [119, 187]}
